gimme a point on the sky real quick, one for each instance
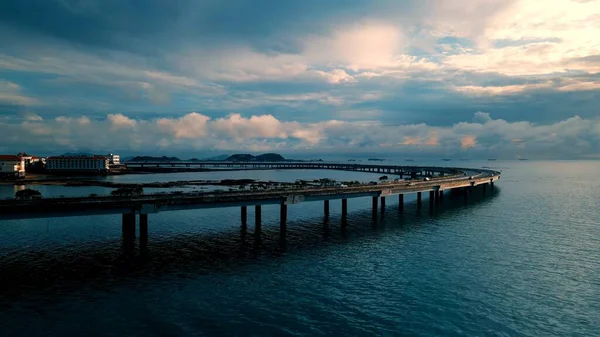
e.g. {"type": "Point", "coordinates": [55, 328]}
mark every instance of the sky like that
{"type": "Point", "coordinates": [428, 78]}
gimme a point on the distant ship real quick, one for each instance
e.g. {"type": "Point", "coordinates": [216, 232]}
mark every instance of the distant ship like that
{"type": "Point", "coordinates": [492, 159]}
{"type": "Point", "coordinates": [446, 159]}
{"type": "Point", "coordinates": [523, 159]}
{"type": "Point", "coordinates": [376, 159]}
{"type": "Point", "coordinates": [409, 160]}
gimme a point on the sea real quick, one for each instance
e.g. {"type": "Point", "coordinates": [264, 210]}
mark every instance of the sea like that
{"type": "Point", "coordinates": [521, 260]}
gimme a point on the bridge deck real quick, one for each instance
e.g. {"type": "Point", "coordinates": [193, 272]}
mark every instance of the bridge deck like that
{"type": "Point", "coordinates": [152, 203]}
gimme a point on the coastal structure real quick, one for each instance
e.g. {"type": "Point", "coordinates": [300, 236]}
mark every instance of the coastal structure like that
{"type": "Point", "coordinates": [77, 163]}
{"type": "Point", "coordinates": [12, 166]}
{"type": "Point", "coordinates": [114, 159]}
{"type": "Point", "coordinates": [28, 159]}
{"type": "Point", "coordinates": [434, 181]}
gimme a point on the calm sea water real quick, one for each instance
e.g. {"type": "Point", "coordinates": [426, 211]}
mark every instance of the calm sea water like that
{"type": "Point", "coordinates": [523, 261]}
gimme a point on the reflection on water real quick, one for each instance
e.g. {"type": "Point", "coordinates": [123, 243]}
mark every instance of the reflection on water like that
{"type": "Point", "coordinates": [521, 262]}
{"type": "Point", "coordinates": [104, 262]}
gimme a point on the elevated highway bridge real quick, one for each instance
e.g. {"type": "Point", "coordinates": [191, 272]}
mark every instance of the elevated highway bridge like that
{"type": "Point", "coordinates": [439, 179]}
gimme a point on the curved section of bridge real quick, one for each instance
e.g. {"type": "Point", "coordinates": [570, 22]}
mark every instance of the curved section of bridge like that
{"type": "Point", "coordinates": [236, 166]}
{"type": "Point", "coordinates": [423, 179]}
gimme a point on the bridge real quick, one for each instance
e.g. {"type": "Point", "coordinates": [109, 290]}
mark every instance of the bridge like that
{"type": "Point", "coordinates": [437, 180]}
{"type": "Point", "coordinates": [402, 171]}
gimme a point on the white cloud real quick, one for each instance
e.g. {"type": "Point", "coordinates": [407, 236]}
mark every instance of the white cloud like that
{"type": "Point", "coordinates": [34, 118]}
{"type": "Point", "coordinates": [11, 93]}
{"type": "Point", "coordinates": [336, 76]}
{"type": "Point", "coordinates": [192, 125]}
{"type": "Point", "coordinates": [572, 137]}
{"type": "Point", "coordinates": [367, 45]}
{"type": "Point", "coordinates": [121, 121]}
{"type": "Point", "coordinates": [500, 90]}
{"type": "Point", "coordinates": [83, 120]}
{"type": "Point", "coordinates": [546, 38]}
{"type": "Point", "coordinates": [468, 141]}
{"type": "Point", "coordinates": [240, 128]}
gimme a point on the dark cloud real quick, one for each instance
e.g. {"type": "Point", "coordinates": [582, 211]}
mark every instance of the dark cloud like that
{"type": "Point", "coordinates": [144, 25]}
{"type": "Point", "coordinates": [156, 59]}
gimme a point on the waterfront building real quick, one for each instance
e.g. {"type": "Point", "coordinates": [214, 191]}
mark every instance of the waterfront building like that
{"type": "Point", "coordinates": [29, 159]}
{"type": "Point", "coordinates": [12, 166]}
{"type": "Point", "coordinates": [114, 159]}
{"type": "Point", "coordinates": [77, 163]}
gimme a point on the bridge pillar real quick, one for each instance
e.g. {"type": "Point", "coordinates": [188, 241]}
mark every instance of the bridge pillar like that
{"type": "Point", "coordinates": [432, 198]}
{"type": "Point", "coordinates": [128, 228]}
{"type": "Point", "coordinates": [244, 210]}
{"type": "Point", "coordinates": [382, 205]}
{"type": "Point", "coordinates": [419, 198]}
{"type": "Point", "coordinates": [128, 225]}
{"type": "Point", "coordinates": [326, 208]}
{"type": "Point", "coordinates": [143, 231]}
{"type": "Point", "coordinates": [283, 217]}
{"type": "Point", "coordinates": [344, 211]}
{"type": "Point", "coordinates": [375, 206]}
{"type": "Point", "coordinates": [441, 195]}
{"type": "Point", "coordinates": [257, 217]}
{"type": "Point", "coordinates": [484, 187]}
{"type": "Point", "coordinates": [401, 201]}
{"type": "Point", "coordinates": [492, 185]}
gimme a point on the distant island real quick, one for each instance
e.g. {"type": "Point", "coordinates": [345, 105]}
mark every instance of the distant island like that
{"type": "Point", "coordinates": [267, 157]}
{"type": "Point", "coordinates": [150, 158]}
{"type": "Point", "coordinates": [77, 154]}
{"type": "Point", "coordinates": [376, 159]}
{"type": "Point", "coordinates": [217, 158]}
{"type": "Point", "coordinates": [240, 157]}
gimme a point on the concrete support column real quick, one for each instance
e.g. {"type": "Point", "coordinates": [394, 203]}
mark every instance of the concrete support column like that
{"type": "Point", "coordinates": [441, 197]}
{"type": "Point", "coordinates": [419, 198]}
{"type": "Point", "coordinates": [382, 204]}
{"type": "Point", "coordinates": [344, 211]}
{"type": "Point", "coordinates": [326, 208]}
{"type": "Point", "coordinates": [484, 187]}
{"type": "Point", "coordinates": [283, 218]}
{"type": "Point", "coordinates": [258, 217]}
{"type": "Point", "coordinates": [401, 201]}
{"type": "Point", "coordinates": [143, 230]}
{"type": "Point", "coordinates": [244, 215]}
{"type": "Point", "coordinates": [432, 198]}
{"type": "Point", "coordinates": [492, 185]}
{"type": "Point", "coordinates": [466, 194]}
{"type": "Point", "coordinates": [128, 225]}
{"type": "Point", "coordinates": [374, 206]}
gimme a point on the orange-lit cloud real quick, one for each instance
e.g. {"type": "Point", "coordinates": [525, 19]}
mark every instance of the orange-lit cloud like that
{"type": "Point", "coordinates": [468, 142]}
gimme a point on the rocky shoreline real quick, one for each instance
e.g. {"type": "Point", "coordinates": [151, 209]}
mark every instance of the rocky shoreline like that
{"type": "Point", "coordinates": [79, 182]}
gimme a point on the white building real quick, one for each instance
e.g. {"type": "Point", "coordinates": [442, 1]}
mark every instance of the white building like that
{"type": "Point", "coordinates": [29, 159]}
{"type": "Point", "coordinates": [77, 163]}
{"type": "Point", "coordinates": [12, 166]}
{"type": "Point", "coordinates": [114, 159]}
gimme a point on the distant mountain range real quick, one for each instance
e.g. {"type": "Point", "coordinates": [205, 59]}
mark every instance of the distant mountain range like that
{"type": "Point", "coordinates": [217, 158]}
{"type": "Point", "coordinates": [76, 154]}
{"type": "Point", "coordinates": [150, 158]}
{"type": "Point", "coordinates": [267, 157]}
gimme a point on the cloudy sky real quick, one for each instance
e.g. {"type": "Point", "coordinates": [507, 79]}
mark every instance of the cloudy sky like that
{"type": "Point", "coordinates": [468, 79]}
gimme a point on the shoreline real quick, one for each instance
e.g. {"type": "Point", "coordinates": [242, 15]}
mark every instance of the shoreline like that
{"type": "Point", "coordinates": [79, 182]}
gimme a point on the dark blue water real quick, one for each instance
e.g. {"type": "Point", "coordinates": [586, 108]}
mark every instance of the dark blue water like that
{"type": "Point", "coordinates": [523, 261]}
